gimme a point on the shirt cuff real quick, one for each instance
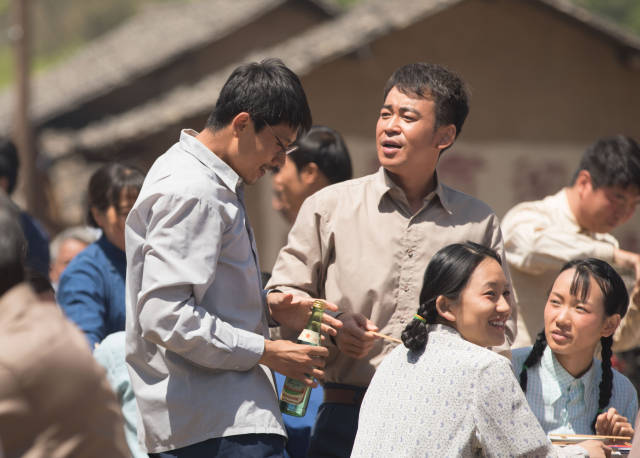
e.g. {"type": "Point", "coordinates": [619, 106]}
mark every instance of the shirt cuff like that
{"type": "Point", "coordinates": [248, 351]}
{"type": "Point", "coordinates": [270, 320]}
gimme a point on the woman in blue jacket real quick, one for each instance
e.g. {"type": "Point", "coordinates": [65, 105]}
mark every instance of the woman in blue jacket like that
{"type": "Point", "coordinates": [91, 289]}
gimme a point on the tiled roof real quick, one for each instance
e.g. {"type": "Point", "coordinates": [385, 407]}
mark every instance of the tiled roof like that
{"type": "Point", "coordinates": [341, 36]}
{"type": "Point", "coordinates": [301, 53]}
{"type": "Point", "coordinates": [148, 40]}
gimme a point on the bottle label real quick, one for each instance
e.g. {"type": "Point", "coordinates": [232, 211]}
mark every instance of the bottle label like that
{"type": "Point", "coordinates": [309, 337]}
{"type": "Point", "coordinates": [293, 391]}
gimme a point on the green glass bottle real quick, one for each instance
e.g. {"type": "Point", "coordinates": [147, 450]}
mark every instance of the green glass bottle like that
{"type": "Point", "coordinates": [295, 394]}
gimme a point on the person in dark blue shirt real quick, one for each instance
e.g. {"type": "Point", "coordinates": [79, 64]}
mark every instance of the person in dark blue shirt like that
{"type": "Point", "coordinates": [91, 289]}
{"type": "Point", "coordinates": [37, 257]}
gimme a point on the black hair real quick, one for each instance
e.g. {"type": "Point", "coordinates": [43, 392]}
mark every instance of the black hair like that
{"type": "Point", "coordinates": [106, 186]}
{"type": "Point", "coordinates": [9, 163]}
{"type": "Point", "coordinates": [437, 83]}
{"type": "Point", "coordinates": [447, 275]}
{"type": "Point", "coordinates": [269, 91]}
{"type": "Point", "coordinates": [616, 300]}
{"type": "Point", "coordinates": [13, 245]}
{"type": "Point", "coordinates": [38, 281]}
{"type": "Point", "coordinates": [325, 147]}
{"type": "Point", "coordinates": [612, 161]}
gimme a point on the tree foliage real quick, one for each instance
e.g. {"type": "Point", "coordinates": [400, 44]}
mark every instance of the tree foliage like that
{"type": "Point", "coordinates": [625, 13]}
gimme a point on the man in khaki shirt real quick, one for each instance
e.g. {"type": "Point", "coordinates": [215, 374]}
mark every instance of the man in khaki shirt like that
{"type": "Point", "coordinates": [364, 244]}
{"type": "Point", "coordinates": [541, 236]}
{"type": "Point", "coordinates": [55, 400]}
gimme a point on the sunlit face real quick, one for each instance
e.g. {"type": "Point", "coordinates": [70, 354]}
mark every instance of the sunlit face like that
{"type": "Point", "coordinates": [482, 309]}
{"type": "Point", "coordinates": [289, 190]}
{"type": "Point", "coordinates": [573, 327]}
{"type": "Point", "coordinates": [112, 220]}
{"type": "Point", "coordinates": [260, 152]}
{"type": "Point", "coordinates": [68, 250]}
{"type": "Point", "coordinates": [605, 208]}
{"type": "Point", "coordinates": [406, 137]}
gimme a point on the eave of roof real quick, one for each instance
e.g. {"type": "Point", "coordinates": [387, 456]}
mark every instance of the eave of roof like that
{"type": "Point", "coordinates": [607, 29]}
{"type": "Point", "coordinates": [342, 36]}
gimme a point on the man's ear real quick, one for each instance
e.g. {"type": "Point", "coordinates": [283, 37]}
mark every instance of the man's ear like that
{"type": "Point", "coordinates": [309, 172]}
{"type": "Point", "coordinates": [445, 309]}
{"type": "Point", "coordinates": [240, 122]}
{"type": "Point", "coordinates": [445, 136]}
{"type": "Point", "coordinates": [611, 323]}
{"type": "Point", "coordinates": [583, 181]}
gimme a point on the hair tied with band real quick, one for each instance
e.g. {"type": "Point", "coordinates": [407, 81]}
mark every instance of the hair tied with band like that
{"type": "Point", "coordinates": [419, 318]}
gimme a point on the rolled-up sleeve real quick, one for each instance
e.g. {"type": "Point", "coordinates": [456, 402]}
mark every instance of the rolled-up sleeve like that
{"type": "Point", "coordinates": [535, 245]}
{"type": "Point", "coordinates": [180, 254]}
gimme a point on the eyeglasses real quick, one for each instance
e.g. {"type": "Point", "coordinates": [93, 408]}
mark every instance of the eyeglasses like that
{"type": "Point", "coordinates": [287, 150]}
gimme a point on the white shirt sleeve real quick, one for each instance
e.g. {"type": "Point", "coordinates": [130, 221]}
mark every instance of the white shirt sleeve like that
{"type": "Point", "coordinates": [535, 244]}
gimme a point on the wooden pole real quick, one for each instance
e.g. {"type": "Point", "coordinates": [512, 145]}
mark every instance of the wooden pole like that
{"type": "Point", "coordinates": [28, 183]}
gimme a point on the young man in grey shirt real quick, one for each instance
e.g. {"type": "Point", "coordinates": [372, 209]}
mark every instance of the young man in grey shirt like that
{"type": "Point", "coordinates": [197, 319]}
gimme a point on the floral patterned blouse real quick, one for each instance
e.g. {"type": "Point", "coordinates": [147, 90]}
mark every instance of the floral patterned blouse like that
{"type": "Point", "coordinates": [455, 399]}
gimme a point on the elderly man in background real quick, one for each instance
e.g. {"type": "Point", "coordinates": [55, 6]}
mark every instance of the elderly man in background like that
{"type": "Point", "coordinates": [65, 246]}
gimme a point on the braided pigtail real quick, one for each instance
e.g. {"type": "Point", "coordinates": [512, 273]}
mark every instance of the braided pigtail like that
{"type": "Point", "coordinates": [606, 384]}
{"type": "Point", "coordinates": [534, 358]}
{"type": "Point", "coordinates": [416, 334]}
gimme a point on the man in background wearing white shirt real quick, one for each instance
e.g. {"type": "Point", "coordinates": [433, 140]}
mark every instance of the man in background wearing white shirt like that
{"type": "Point", "coordinates": [541, 236]}
{"type": "Point", "coordinates": [197, 342]}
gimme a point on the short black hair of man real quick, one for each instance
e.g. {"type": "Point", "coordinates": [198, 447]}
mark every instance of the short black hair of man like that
{"type": "Point", "coordinates": [9, 162]}
{"type": "Point", "coordinates": [437, 83]}
{"type": "Point", "coordinates": [612, 161]}
{"type": "Point", "coordinates": [325, 147]}
{"type": "Point", "coordinates": [13, 246]}
{"type": "Point", "coordinates": [269, 91]}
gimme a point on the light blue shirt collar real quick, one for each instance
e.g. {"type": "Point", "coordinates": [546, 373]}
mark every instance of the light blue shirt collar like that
{"type": "Point", "coordinates": [556, 380]}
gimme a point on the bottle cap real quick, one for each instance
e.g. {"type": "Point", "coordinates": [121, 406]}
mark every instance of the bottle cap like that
{"type": "Point", "coordinates": [318, 304]}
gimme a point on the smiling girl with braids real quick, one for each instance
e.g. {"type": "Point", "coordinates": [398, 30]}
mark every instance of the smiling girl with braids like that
{"type": "Point", "coordinates": [443, 393]}
{"type": "Point", "coordinates": [568, 390]}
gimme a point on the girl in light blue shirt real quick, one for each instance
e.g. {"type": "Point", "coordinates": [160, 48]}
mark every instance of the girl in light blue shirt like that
{"type": "Point", "coordinates": [570, 391]}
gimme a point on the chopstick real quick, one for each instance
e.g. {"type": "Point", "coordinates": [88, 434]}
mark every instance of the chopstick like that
{"type": "Point", "coordinates": [587, 436]}
{"type": "Point", "coordinates": [384, 336]}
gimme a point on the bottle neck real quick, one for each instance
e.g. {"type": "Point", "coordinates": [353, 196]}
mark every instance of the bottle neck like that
{"type": "Point", "coordinates": [315, 319]}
